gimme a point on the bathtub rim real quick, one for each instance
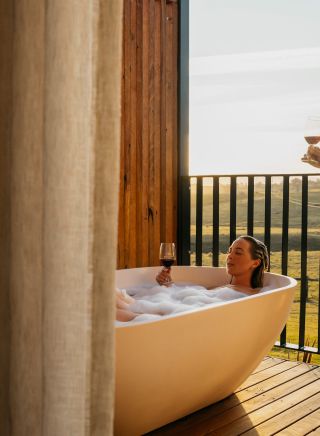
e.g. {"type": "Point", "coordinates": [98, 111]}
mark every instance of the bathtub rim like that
{"type": "Point", "coordinates": [291, 285]}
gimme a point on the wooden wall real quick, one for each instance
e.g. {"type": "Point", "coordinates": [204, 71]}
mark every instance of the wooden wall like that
{"type": "Point", "coordinates": [6, 96]}
{"type": "Point", "coordinates": [149, 147]}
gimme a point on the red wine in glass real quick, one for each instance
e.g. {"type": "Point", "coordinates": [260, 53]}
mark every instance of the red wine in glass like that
{"type": "Point", "coordinates": [312, 130]}
{"type": "Point", "coordinates": [167, 263]}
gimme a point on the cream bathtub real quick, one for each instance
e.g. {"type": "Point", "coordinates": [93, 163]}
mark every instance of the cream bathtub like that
{"type": "Point", "coordinates": [168, 368]}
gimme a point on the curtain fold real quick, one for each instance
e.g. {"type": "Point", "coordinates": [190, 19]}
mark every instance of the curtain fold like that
{"type": "Point", "coordinates": [60, 136]}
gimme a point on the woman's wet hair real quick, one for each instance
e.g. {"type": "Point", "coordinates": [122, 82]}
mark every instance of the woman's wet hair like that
{"type": "Point", "coordinates": [258, 251]}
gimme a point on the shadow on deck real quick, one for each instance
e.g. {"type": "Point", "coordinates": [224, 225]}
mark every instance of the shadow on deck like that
{"type": "Point", "coordinates": [279, 397]}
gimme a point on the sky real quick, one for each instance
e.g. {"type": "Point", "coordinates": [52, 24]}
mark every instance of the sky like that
{"type": "Point", "coordinates": [254, 80]}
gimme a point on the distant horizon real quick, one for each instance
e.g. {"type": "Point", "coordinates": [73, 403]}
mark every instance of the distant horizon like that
{"type": "Point", "coordinates": [258, 52]}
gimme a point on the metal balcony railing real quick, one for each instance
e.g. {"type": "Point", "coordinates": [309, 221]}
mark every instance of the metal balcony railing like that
{"type": "Point", "coordinates": [215, 209]}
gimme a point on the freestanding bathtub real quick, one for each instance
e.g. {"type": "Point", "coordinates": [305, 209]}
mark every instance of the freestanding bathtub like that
{"type": "Point", "coordinates": [168, 368]}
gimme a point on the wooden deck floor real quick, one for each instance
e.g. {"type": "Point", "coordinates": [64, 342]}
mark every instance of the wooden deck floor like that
{"type": "Point", "coordinates": [279, 397]}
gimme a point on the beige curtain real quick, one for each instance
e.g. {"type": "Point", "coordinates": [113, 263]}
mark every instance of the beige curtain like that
{"type": "Point", "coordinates": [60, 74]}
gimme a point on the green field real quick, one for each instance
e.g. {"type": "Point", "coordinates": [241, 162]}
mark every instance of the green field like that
{"type": "Point", "coordinates": [294, 256]}
{"type": "Point", "coordinates": [259, 197]}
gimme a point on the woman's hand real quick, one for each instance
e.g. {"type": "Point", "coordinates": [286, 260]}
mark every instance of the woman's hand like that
{"type": "Point", "coordinates": [164, 277]}
{"type": "Point", "coordinates": [314, 152]}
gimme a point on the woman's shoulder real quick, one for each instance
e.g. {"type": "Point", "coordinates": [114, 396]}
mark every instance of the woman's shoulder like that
{"type": "Point", "coordinates": [236, 288]}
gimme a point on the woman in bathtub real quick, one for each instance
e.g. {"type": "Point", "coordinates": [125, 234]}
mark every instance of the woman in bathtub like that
{"type": "Point", "coordinates": [247, 259]}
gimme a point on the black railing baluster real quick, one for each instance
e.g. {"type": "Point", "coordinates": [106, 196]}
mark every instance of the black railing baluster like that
{"type": "Point", "coordinates": [284, 242]}
{"type": "Point", "coordinates": [215, 223]}
{"type": "Point", "coordinates": [250, 211]}
{"type": "Point", "coordinates": [184, 221]}
{"type": "Point", "coordinates": [285, 226]}
{"type": "Point", "coordinates": [304, 248]}
{"type": "Point", "coordinates": [267, 213]}
{"type": "Point", "coordinates": [199, 221]}
{"type": "Point", "coordinates": [233, 208]}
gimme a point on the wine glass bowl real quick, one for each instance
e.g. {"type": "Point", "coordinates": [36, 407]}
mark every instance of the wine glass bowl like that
{"type": "Point", "coordinates": [167, 254]}
{"type": "Point", "coordinates": [312, 130]}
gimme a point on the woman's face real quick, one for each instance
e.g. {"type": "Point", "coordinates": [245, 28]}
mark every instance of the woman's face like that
{"type": "Point", "coordinates": [239, 260]}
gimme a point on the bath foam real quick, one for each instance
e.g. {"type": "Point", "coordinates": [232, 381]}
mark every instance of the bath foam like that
{"type": "Point", "coordinates": [154, 302]}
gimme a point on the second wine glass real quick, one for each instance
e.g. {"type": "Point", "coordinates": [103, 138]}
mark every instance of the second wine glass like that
{"type": "Point", "coordinates": [312, 130]}
{"type": "Point", "coordinates": [312, 136]}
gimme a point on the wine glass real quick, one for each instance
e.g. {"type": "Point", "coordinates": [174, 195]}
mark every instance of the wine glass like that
{"type": "Point", "coordinates": [312, 130]}
{"type": "Point", "coordinates": [167, 254]}
{"type": "Point", "coordinates": [312, 136]}
{"type": "Point", "coordinates": [167, 257]}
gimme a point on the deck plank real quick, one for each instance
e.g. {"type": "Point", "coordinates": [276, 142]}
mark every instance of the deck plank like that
{"type": "Point", "coordinates": [289, 417]}
{"type": "Point", "coordinates": [268, 393]}
{"type": "Point", "coordinates": [258, 416]}
{"type": "Point", "coordinates": [266, 374]}
{"type": "Point", "coordinates": [303, 426]}
{"type": "Point", "coordinates": [267, 363]}
{"type": "Point", "coordinates": [290, 369]}
{"type": "Point", "coordinates": [277, 380]}
{"type": "Point", "coordinates": [257, 406]}
{"type": "Point", "coordinates": [294, 370]}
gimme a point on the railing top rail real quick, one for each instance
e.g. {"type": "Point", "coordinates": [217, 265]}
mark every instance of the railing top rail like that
{"type": "Point", "coordinates": [254, 175]}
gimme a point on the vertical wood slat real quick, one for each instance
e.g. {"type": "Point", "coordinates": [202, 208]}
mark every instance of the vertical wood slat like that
{"type": "Point", "coordinates": [163, 162]}
{"type": "Point", "coordinates": [122, 183]}
{"type": "Point", "coordinates": [148, 168]}
{"type": "Point", "coordinates": [154, 133]}
{"type": "Point", "coordinates": [174, 116]}
{"type": "Point", "coordinates": [128, 182]}
{"type": "Point", "coordinates": [168, 128]}
{"type": "Point", "coordinates": [6, 74]}
{"type": "Point", "coordinates": [131, 173]}
{"type": "Point", "coordinates": [134, 122]}
{"type": "Point", "coordinates": [120, 254]}
{"type": "Point", "coordinates": [143, 158]}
